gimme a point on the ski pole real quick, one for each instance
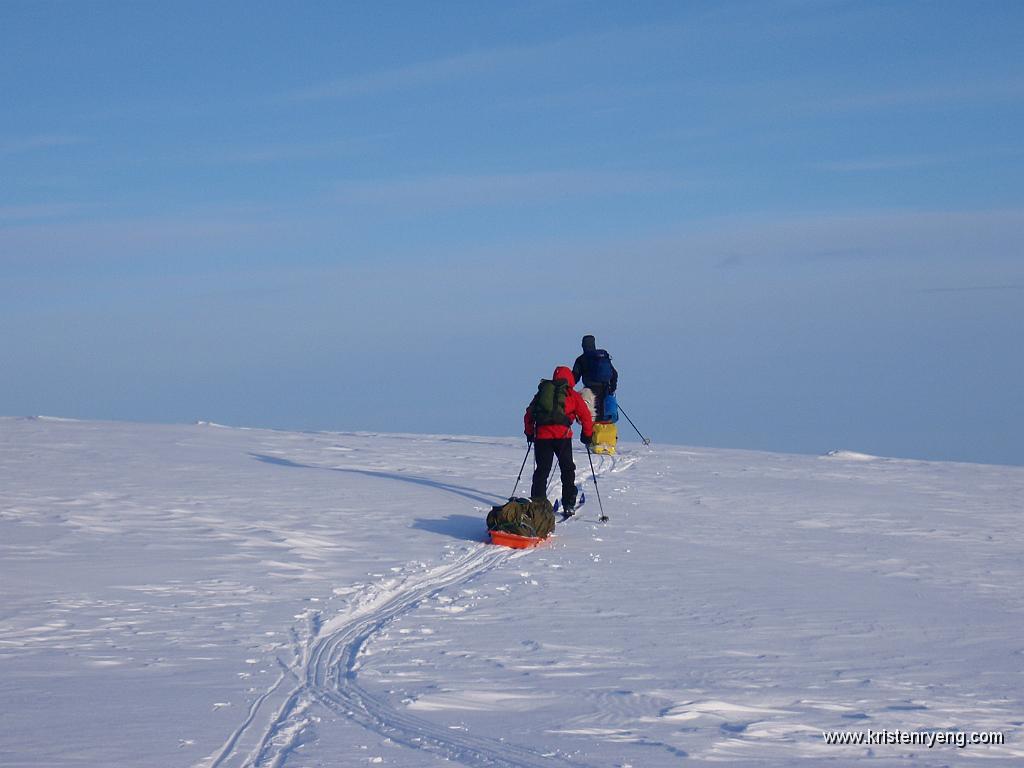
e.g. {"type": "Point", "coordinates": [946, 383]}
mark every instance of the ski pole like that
{"type": "Point", "coordinates": [528, 447]}
{"type": "Point", "coordinates": [646, 440]}
{"type": "Point", "coordinates": [593, 474]}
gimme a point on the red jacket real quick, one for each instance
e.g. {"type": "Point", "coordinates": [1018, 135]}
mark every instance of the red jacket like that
{"type": "Point", "coordinates": [575, 408]}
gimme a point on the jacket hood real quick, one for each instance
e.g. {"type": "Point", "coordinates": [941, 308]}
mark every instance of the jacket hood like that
{"type": "Point", "coordinates": [589, 344]}
{"type": "Point", "coordinates": [563, 373]}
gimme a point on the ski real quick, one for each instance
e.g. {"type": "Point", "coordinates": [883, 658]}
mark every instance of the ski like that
{"type": "Point", "coordinates": [581, 498]}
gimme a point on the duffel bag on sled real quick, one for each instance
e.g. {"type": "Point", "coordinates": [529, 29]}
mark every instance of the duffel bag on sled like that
{"type": "Point", "coordinates": [531, 521]}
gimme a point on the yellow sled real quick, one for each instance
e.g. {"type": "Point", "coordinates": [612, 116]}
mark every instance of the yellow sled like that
{"type": "Point", "coordinates": [605, 437]}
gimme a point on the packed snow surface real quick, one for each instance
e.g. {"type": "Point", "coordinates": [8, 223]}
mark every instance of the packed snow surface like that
{"type": "Point", "coordinates": [217, 598]}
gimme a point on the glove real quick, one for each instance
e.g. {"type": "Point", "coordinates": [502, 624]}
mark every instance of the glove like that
{"type": "Point", "coordinates": [586, 439]}
{"type": "Point", "coordinates": [529, 439]}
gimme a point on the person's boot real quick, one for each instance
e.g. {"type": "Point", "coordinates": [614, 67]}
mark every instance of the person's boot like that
{"type": "Point", "coordinates": [568, 508]}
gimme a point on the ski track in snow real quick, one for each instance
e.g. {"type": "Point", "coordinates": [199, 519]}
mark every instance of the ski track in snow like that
{"type": "Point", "coordinates": [327, 672]}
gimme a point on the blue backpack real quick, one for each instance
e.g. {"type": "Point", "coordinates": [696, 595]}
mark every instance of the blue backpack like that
{"type": "Point", "coordinates": [599, 367]}
{"type": "Point", "coordinates": [611, 408]}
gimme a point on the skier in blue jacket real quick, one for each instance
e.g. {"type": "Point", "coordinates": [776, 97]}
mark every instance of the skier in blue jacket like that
{"type": "Point", "coordinates": [594, 368]}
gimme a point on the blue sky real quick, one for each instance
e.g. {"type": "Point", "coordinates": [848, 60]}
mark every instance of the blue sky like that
{"type": "Point", "coordinates": [795, 225]}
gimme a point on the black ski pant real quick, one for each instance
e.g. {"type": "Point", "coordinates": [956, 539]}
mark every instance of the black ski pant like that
{"type": "Point", "coordinates": [545, 452]}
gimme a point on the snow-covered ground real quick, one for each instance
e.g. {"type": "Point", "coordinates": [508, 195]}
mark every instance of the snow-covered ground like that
{"type": "Point", "coordinates": [216, 597]}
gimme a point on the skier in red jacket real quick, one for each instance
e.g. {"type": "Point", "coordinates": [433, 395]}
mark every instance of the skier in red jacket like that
{"type": "Point", "coordinates": [550, 431]}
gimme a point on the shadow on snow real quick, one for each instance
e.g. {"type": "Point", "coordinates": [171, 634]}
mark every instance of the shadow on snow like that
{"type": "Point", "coordinates": [456, 526]}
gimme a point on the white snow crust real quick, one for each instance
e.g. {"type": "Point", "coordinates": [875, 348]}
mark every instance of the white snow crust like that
{"type": "Point", "coordinates": [843, 455]}
{"type": "Point", "coordinates": [215, 598]}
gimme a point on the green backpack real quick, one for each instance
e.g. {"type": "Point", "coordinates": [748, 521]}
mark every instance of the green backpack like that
{"type": "Point", "coordinates": [548, 406]}
{"type": "Point", "coordinates": [523, 517]}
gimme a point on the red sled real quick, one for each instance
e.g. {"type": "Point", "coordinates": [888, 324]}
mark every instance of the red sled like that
{"type": "Point", "coordinates": [514, 540]}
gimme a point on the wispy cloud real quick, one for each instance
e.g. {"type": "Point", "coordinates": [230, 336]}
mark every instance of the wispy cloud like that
{"type": "Point", "coordinates": [17, 146]}
{"type": "Point", "coordinates": [21, 213]}
{"type": "Point", "coordinates": [927, 94]}
{"type": "Point", "coordinates": [731, 261]}
{"type": "Point", "coordinates": [887, 163]}
{"type": "Point", "coordinates": [412, 75]}
{"type": "Point", "coordinates": [286, 151]}
{"type": "Point", "coordinates": [975, 289]}
{"type": "Point", "coordinates": [466, 190]}
{"type": "Point", "coordinates": [26, 234]}
{"type": "Point", "coordinates": [540, 54]}
{"type": "Point", "coordinates": [901, 234]}
{"type": "Point", "coordinates": [780, 243]}
{"type": "Point", "coordinates": [210, 229]}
